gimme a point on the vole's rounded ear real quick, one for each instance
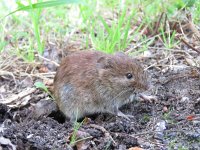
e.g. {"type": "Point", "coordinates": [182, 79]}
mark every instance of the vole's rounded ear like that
{"type": "Point", "coordinates": [120, 54]}
{"type": "Point", "coordinates": [104, 63]}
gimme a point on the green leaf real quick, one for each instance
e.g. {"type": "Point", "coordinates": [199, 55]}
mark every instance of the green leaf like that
{"type": "Point", "coordinates": [41, 85]}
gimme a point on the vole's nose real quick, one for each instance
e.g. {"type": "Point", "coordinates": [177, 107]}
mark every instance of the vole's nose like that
{"type": "Point", "coordinates": [143, 86]}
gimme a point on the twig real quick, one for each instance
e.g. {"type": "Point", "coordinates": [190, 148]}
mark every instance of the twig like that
{"type": "Point", "coordinates": [39, 75]}
{"type": "Point", "coordinates": [155, 64]}
{"type": "Point", "coordinates": [173, 50]}
{"type": "Point", "coordinates": [190, 46]}
{"type": "Point", "coordinates": [142, 139]}
{"type": "Point", "coordinates": [83, 139]}
{"type": "Point", "coordinates": [134, 135]}
{"type": "Point", "coordinates": [107, 134]}
{"type": "Point", "coordinates": [158, 24]}
{"type": "Point", "coordinates": [165, 22]}
{"type": "Point", "coordinates": [178, 77]}
{"type": "Point", "coordinates": [138, 45]}
{"type": "Point", "coordinates": [181, 28]}
{"type": "Point", "coordinates": [46, 59]}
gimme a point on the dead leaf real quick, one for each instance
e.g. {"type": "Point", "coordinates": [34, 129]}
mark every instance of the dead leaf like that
{"type": "Point", "coordinates": [190, 117]}
{"type": "Point", "coordinates": [5, 141]}
{"type": "Point", "coordinates": [86, 121]}
{"type": "Point", "coordinates": [43, 69]}
{"type": "Point", "coordinates": [48, 82]}
{"type": "Point", "coordinates": [81, 140]}
{"type": "Point", "coordinates": [18, 100]}
{"type": "Point", "coordinates": [82, 145]}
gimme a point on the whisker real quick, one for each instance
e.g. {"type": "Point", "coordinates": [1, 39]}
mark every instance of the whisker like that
{"type": "Point", "coordinates": [122, 92]}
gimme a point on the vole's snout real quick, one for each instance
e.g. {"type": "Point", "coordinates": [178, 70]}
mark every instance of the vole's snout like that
{"type": "Point", "coordinates": [143, 86]}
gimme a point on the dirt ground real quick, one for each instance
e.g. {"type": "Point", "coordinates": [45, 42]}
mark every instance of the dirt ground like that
{"type": "Point", "coordinates": [170, 120]}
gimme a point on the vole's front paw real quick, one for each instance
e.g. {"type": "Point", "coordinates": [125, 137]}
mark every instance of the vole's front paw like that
{"type": "Point", "coordinates": [148, 98]}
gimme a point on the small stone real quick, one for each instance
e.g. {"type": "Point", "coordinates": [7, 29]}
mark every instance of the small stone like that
{"type": "Point", "coordinates": [184, 100]}
{"type": "Point", "coordinates": [193, 135]}
{"type": "Point", "coordinates": [29, 136]}
{"type": "Point", "coordinates": [165, 109]}
{"type": "Point", "coordinates": [161, 126]}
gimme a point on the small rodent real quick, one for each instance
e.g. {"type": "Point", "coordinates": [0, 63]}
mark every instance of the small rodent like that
{"type": "Point", "coordinates": [89, 82]}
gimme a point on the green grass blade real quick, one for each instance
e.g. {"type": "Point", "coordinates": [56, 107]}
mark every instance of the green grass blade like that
{"type": "Point", "coordinates": [106, 26]}
{"type": "Point", "coordinates": [45, 5]}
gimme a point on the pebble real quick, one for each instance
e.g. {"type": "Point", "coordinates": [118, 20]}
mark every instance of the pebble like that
{"type": "Point", "coordinates": [193, 135]}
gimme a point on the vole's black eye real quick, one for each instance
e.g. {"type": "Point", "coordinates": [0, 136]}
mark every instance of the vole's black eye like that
{"type": "Point", "coordinates": [129, 75]}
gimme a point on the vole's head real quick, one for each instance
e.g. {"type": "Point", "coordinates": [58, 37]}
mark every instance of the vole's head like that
{"type": "Point", "coordinates": [120, 72]}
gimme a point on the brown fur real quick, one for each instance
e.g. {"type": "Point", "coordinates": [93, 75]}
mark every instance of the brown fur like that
{"type": "Point", "coordinates": [88, 82]}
